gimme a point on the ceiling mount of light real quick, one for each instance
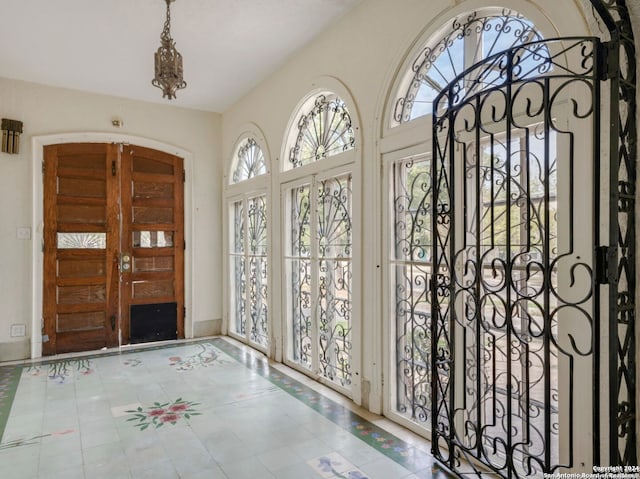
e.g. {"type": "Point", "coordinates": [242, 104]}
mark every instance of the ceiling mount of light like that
{"type": "Point", "coordinates": [168, 62]}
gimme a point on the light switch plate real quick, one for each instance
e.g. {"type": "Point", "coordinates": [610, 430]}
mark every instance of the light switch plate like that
{"type": "Point", "coordinates": [23, 233]}
{"type": "Point", "coordinates": [18, 330]}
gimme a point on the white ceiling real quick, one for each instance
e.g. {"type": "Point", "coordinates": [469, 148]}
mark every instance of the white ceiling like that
{"type": "Point", "coordinates": [107, 46]}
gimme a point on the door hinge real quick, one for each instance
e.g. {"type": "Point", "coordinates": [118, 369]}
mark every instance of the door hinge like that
{"type": "Point", "coordinates": [184, 176]}
{"type": "Point", "coordinates": [604, 258]}
{"type": "Point", "coordinates": [184, 245]}
{"type": "Point", "coordinates": [43, 170]}
{"type": "Point", "coordinates": [113, 168]}
{"type": "Point", "coordinates": [184, 312]}
{"type": "Point", "coordinates": [608, 60]}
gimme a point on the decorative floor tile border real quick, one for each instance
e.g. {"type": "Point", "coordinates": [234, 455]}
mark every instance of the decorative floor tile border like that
{"type": "Point", "coordinates": [9, 379]}
{"type": "Point", "coordinates": [409, 457]}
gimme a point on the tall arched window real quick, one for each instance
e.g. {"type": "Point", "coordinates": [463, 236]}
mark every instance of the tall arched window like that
{"type": "Point", "coordinates": [248, 245]}
{"type": "Point", "coordinates": [318, 253]}
{"type": "Point", "coordinates": [461, 43]}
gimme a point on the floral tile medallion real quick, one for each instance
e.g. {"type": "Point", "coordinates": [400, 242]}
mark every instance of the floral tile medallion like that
{"type": "Point", "coordinates": [132, 362]}
{"type": "Point", "coordinates": [207, 356]}
{"type": "Point", "coordinates": [163, 413]}
{"type": "Point", "coordinates": [62, 372]}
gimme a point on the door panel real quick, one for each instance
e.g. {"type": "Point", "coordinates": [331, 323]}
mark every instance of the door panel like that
{"type": "Point", "coordinates": [80, 211]}
{"type": "Point", "coordinates": [75, 213]}
{"type": "Point", "coordinates": [150, 190]}
{"type": "Point", "coordinates": [102, 206]}
{"type": "Point", "coordinates": [152, 231]}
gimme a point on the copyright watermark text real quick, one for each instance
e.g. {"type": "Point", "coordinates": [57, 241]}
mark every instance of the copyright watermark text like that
{"type": "Point", "coordinates": [599, 472]}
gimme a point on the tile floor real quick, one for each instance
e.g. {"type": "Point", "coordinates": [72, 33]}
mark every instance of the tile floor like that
{"type": "Point", "coordinates": [205, 409]}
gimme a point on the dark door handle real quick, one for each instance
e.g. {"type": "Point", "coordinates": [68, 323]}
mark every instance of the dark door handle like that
{"type": "Point", "coordinates": [113, 322]}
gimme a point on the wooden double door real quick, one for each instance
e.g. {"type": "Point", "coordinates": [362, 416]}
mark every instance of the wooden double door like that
{"type": "Point", "coordinates": [113, 242]}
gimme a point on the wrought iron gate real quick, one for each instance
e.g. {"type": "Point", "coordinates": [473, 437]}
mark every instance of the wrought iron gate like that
{"type": "Point", "coordinates": [523, 296]}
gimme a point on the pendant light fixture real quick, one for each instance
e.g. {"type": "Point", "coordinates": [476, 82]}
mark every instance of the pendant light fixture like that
{"type": "Point", "coordinates": [168, 62]}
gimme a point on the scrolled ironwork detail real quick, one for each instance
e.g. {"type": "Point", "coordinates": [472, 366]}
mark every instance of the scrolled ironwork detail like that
{"type": "Point", "coordinates": [250, 161]}
{"type": "Point", "coordinates": [513, 311]}
{"type": "Point", "coordinates": [319, 271]}
{"type": "Point", "coordinates": [411, 267]}
{"type": "Point", "coordinates": [441, 61]}
{"type": "Point", "coordinates": [257, 270]}
{"type": "Point", "coordinates": [325, 130]}
{"type": "Point", "coordinates": [622, 233]}
{"type": "Point", "coordinates": [335, 278]}
{"type": "Point", "coordinates": [249, 266]}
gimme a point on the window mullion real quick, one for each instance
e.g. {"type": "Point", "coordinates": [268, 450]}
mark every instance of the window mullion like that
{"type": "Point", "coordinates": [247, 270]}
{"type": "Point", "coordinates": [315, 281]}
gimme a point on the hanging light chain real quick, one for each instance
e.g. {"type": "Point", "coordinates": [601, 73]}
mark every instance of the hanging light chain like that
{"type": "Point", "coordinates": [165, 36]}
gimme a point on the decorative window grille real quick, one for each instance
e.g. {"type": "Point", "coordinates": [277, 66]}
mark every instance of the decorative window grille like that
{"type": "Point", "coordinates": [248, 263]}
{"type": "Point", "coordinates": [318, 246]}
{"type": "Point", "coordinates": [324, 129]}
{"type": "Point", "coordinates": [319, 276]}
{"type": "Point", "coordinates": [470, 39]}
{"type": "Point", "coordinates": [411, 266]}
{"type": "Point", "coordinates": [250, 162]}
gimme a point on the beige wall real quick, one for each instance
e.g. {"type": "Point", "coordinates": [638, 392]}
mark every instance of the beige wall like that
{"type": "Point", "coordinates": [55, 111]}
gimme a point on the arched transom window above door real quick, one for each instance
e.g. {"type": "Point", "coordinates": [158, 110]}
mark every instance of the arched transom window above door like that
{"type": "Point", "coordinates": [324, 129]}
{"type": "Point", "coordinates": [468, 39]}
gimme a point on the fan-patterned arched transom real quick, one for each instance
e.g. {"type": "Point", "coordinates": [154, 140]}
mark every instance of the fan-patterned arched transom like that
{"type": "Point", "coordinates": [324, 130]}
{"type": "Point", "coordinates": [250, 161]}
{"type": "Point", "coordinates": [471, 38]}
